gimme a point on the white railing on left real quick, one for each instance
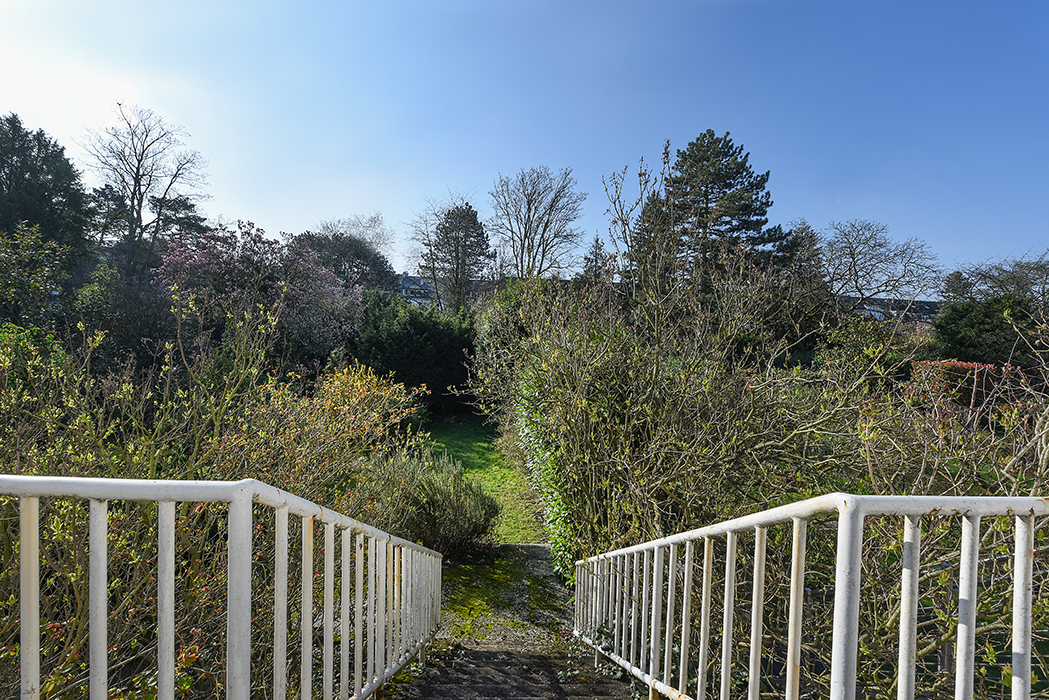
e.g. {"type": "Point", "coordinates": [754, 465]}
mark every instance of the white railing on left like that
{"type": "Point", "coordinates": [390, 589]}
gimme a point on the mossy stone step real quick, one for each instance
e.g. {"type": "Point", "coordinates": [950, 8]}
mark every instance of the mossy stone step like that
{"type": "Point", "coordinates": [478, 674]}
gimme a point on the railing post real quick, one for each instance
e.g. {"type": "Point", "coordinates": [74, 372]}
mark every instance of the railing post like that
{"type": "Point", "coordinates": [328, 668]}
{"type": "Point", "coordinates": [797, 605]}
{"type": "Point", "coordinates": [98, 597]}
{"type": "Point", "coordinates": [238, 577]}
{"type": "Point", "coordinates": [730, 602]}
{"type": "Point", "coordinates": [668, 641]}
{"type": "Point", "coordinates": [757, 614]}
{"type": "Point", "coordinates": [965, 656]}
{"type": "Point", "coordinates": [346, 600]}
{"type": "Point", "coordinates": [29, 598]}
{"type": "Point", "coordinates": [846, 602]}
{"type": "Point", "coordinates": [166, 597]}
{"type": "Point", "coordinates": [704, 618]}
{"type": "Point", "coordinates": [280, 603]}
{"type": "Point", "coordinates": [306, 619]}
{"type": "Point", "coordinates": [686, 619]}
{"type": "Point", "coordinates": [657, 612]}
{"type": "Point", "coordinates": [1022, 600]}
{"type": "Point", "coordinates": [358, 615]}
{"type": "Point", "coordinates": [909, 606]}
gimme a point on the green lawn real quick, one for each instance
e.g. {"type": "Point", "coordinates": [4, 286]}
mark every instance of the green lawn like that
{"type": "Point", "coordinates": [469, 440]}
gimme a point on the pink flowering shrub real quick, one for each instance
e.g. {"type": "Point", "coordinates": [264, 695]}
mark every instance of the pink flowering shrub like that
{"type": "Point", "coordinates": [241, 269]}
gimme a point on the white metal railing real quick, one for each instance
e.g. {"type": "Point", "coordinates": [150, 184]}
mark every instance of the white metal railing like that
{"type": "Point", "coordinates": [625, 599]}
{"type": "Point", "coordinates": [390, 588]}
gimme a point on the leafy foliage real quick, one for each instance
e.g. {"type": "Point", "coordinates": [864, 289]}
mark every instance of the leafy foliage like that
{"type": "Point", "coordinates": [32, 270]}
{"type": "Point", "coordinates": [40, 187]}
{"type": "Point", "coordinates": [421, 347]}
{"type": "Point", "coordinates": [206, 414]}
{"type": "Point", "coordinates": [983, 330]}
{"type": "Point", "coordinates": [243, 269]}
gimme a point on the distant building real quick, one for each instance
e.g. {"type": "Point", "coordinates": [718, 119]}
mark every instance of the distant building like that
{"type": "Point", "coordinates": [893, 309]}
{"type": "Point", "coordinates": [417, 290]}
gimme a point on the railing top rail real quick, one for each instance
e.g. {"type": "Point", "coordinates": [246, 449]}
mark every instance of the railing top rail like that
{"type": "Point", "coordinates": [989, 506]}
{"type": "Point", "coordinates": [191, 491]}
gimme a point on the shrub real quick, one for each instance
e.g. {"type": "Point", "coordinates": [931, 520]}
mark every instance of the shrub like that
{"type": "Point", "coordinates": [450, 513]}
{"type": "Point", "coordinates": [208, 412]}
{"type": "Point", "coordinates": [421, 347]}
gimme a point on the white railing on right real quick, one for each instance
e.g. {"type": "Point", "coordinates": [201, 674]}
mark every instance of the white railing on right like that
{"type": "Point", "coordinates": [637, 606]}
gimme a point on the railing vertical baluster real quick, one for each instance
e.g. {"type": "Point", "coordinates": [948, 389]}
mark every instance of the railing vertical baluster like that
{"type": "Point", "coordinates": [686, 619]}
{"type": "Point", "coordinates": [610, 600]}
{"type": "Point", "coordinates": [397, 602]}
{"type": "Point", "coordinates": [909, 606]}
{"type": "Point", "coordinates": [306, 621]}
{"type": "Point", "coordinates": [624, 608]}
{"type": "Point", "coordinates": [344, 614]}
{"type": "Point", "coordinates": [372, 608]}
{"type": "Point", "coordinates": [797, 605]}
{"type": "Point", "coordinates": [635, 598]}
{"type": "Point", "coordinates": [358, 616]}
{"type": "Point", "coordinates": [328, 669]}
{"type": "Point", "coordinates": [280, 603]}
{"type": "Point", "coordinates": [604, 612]}
{"type": "Point", "coordinates": [617, 616]}
{"type": "Point", "coordinates": [380, 618]}
{"type": "Point", "coordinates": [757, 614]}
{"type": "Point", "coordinates": [98, 599]}
{"type": "Point", "coordinates": [166, 598]}
{"type": "Point", "coordinates": [591, 599]}
{"type": "Point", "coordinates": [238, 596]}
{"type": "Point", "coordinates": [668, 642]}
{"type": "Point", "coordinates": [704, 617]}
{"type": "Point", "coordinates": [846, 602]}
{"type": "Point", "coordinates": [391, 610]}
{"type": "Point", "coordinates": [599, 567]}
{"type": "Point", "coordinates": [967, 580]}
{"type": "Point", "coordinates": [730, 603]}
{"type": "Point", "coordinates": [646, 591]}
{"type": "Point", "coordinates": [657, 611]}
{"type": "Point", "coordinates": [577, 620]}
{"type": "Point", "coordinates": [29, 595]}
{"type": "Point", "coordinates": [1022, 600]}
{"type": "Point", "coordinates": [410, 593]}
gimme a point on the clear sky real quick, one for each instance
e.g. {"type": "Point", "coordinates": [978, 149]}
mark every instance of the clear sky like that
{"type": "Point", "coordinates": [930, 117]}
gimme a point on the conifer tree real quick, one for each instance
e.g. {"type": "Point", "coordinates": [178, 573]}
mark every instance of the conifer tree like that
{"type": "Point", "coordinates": [715, 200]}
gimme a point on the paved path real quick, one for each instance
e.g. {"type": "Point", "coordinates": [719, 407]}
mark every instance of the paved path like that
{"type": "Point", "coordinates": [506, 633]}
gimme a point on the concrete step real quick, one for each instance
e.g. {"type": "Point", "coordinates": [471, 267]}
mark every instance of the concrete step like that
{"type": "Point", "coordinates": [480, 674]}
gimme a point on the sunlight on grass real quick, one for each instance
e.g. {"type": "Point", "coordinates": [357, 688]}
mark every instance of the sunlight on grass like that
{"type": "Point", "coordinates": [469, 440]}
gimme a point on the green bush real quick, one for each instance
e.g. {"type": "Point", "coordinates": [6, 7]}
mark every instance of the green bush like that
{"type": "Point", "coordinates": [209, 412]}
{"type": "Point", "coordinates": [421, 347]}
{"type": "Point", "coordinates": [450, 513]}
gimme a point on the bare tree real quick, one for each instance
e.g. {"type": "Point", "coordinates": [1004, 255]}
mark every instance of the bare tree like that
{"type": "Point", "coordinates": [534, 211]}
{"type": "Point", "coordinates": [143, 160]}
{"type": "Point", "coordinates": [862, 262]}
{"type": "Point", "coordinates": [1022, 277]}
{"type": "Point", "coordinates": [370, 228]}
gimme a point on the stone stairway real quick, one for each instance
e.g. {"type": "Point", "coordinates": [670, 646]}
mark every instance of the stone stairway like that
{"type": "Point", "coordinates": [482, 674]}
{"type": "Point", "coordinates": [506, 633]}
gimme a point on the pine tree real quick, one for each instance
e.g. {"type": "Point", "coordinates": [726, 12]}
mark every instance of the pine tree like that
{"type": "Point", "coordinates": [715, 201]}
{"type": "Point", "coordinates": [456, 249]}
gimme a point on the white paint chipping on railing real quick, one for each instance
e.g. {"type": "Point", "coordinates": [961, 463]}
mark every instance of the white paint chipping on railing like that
{"type": "Point", "coordinates": [641, 595]}
{"type": "Point", "coordinates": [396, 612]}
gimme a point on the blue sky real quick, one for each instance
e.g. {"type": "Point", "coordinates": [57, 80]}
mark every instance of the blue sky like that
{"type": "Point", "coordinates": [931, 117]}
